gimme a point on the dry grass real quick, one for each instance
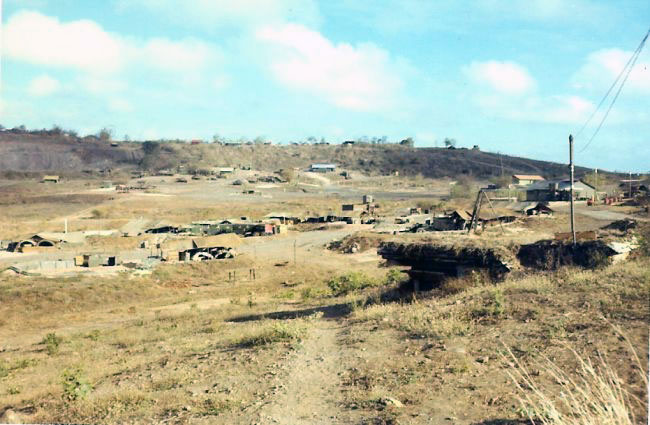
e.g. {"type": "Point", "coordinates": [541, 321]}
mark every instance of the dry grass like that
{"type": "Point", "coordinates": [448, 346]}
{"type": "Point", "coordinates": [185, 345]}
{"type": "Point", "coordinates": [593, 394]}
{"type": "Point", "coordinates": [272, 332]}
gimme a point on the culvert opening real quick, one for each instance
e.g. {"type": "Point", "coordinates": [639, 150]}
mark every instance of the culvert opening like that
{"type": "Point", "coordinates": [431, 265]}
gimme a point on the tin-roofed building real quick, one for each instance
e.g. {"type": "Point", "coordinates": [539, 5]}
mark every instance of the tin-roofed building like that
{"type": "Point", "coordinates": [558, 190]}
{"type": "Point", "coordinates": [526, 179]}
{"type": "Point", "coordinates": [322, 167]}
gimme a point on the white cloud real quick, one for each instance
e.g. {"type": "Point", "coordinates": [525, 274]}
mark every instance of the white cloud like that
{"type": "Point", "coordinates": [353, 77]}
{"type": "Point", "coordinates": [41, 40]}
{"type": "Point", "coordinates": [507, 90]}
{"type": "Point", "coordinates": [564, 109]}
{"type": "Point", "coordinates": [84, 46]}
{"type": "Point", "coordinates": [556, 109]}
{"type": "Point", "coordinates": [43, 85]}
{"type": "Point", "coordinates": [504, 77]}
{"type": "Point", "coordinates": [603, 66]}
{"type": "Point", "coordinates": [212, 14]}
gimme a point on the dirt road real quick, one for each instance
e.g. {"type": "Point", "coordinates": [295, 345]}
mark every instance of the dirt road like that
{"type": "Point", "coordinates": [282, 249]}
{"type": "Point", "coordinates": [310, 385]}
{"type": "Point", "coordinates": [608, 215]}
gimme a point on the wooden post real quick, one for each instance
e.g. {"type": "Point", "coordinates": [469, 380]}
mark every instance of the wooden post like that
{"type": "Point", "coordinates": [571, 170]}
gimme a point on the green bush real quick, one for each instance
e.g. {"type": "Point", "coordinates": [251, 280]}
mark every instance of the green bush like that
{"type": "Point", "coordinates": [52, 343]}
{"type": "Point", "coordinates": [96, 214]}
{"type": "Point", "coordinates": [495, 306]}
{"type": "Point", "coordinates": [353, 281]}
{"type": "Point", "coordinates": [75, 384]}
{"type": "Point", "coordinates": [394, 277]}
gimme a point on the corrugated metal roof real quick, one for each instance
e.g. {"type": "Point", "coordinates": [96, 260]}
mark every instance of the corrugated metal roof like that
{"type": "Point", "coordinates": [563, 184]}
{"type": "Point", "coordinates": [463, 214]}
{"type": "Point", "coordinates": [528, 177]}
{"type": "Point", "coordinates": [70, 237]}
{"type": "Point", "coordinates": [281, 214]}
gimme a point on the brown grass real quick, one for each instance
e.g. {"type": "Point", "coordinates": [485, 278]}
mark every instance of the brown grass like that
{"type": "Point", "coordinates": [593, 394]}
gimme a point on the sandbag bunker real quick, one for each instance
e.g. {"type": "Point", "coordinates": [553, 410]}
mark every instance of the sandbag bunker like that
{"type": "Point", "coordinates": [432, 263]}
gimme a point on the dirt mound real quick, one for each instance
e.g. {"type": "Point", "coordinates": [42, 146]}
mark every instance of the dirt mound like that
{"type": "Point", "coordinates": [622, 225]}
{"type": "Point", "coordinates": [551, 255]}
{"type": "Point", "coordinates": [357, 242]}
{"type": "Point", "coordinates": [432, 264]}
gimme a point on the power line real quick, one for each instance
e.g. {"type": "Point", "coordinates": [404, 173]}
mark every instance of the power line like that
{"type": "Point", "coordinates": [620, 74]}
{"type": "Point", "coordinates": [627, 69]}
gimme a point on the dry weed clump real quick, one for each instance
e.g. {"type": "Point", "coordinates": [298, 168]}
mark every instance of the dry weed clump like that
{"type": "Point", "coordinates": [275, 332]}
{"type": "Point", "coordinates": [593, 394]}
{"type": "Point", "coordinates": [418, 320]}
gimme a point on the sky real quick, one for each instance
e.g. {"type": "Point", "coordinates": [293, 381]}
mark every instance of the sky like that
{"type": "Point", "coordinates": [515, 77]}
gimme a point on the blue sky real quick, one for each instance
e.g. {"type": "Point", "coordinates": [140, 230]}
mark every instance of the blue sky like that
{"type": "Point", "coordinates": [512, 76]}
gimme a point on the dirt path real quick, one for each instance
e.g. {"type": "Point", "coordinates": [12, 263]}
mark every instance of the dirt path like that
{"type": "Point", "coordinates": [310, 389]}
{"type": "Point", "coordinates": [321, 178]}
{"type": "Point", "coordinates": [609, 215]}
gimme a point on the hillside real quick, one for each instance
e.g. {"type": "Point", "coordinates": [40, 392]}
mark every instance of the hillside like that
{"type": "Point", "coordinates": [31, 152]}
{"type": "Point", "coordinates": [60, 153]}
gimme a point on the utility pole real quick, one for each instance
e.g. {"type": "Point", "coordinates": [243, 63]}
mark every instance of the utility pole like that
{"type": "Point", "coordinates": [596, 185]}
{"type": "Point", "coordinates": [630, 192]}
{"type": "Point", "coordinates": [501, 162]}
{"type": "Point", "coordinates": [573, 221]}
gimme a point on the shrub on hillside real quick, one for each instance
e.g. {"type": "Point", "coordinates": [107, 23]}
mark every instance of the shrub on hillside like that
{"type": "Point", "coordinates": [353, 281]}
{"type": "Point", "coordinates": [75, 384]}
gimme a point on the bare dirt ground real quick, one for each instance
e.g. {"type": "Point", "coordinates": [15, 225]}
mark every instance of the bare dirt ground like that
{"type": "Point", "coordinates": [186, 344]}
{"type": "Point", "coordinates": [309, 383]}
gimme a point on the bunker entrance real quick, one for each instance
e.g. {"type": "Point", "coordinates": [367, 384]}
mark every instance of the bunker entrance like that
{"type": "Point", "coordinates": [432, 264]}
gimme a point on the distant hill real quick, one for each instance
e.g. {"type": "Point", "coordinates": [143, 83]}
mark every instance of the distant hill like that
{"type": "Point", "coordinates": [63, 153]}
{"type": "Point", "coordinates": [34, 153]}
